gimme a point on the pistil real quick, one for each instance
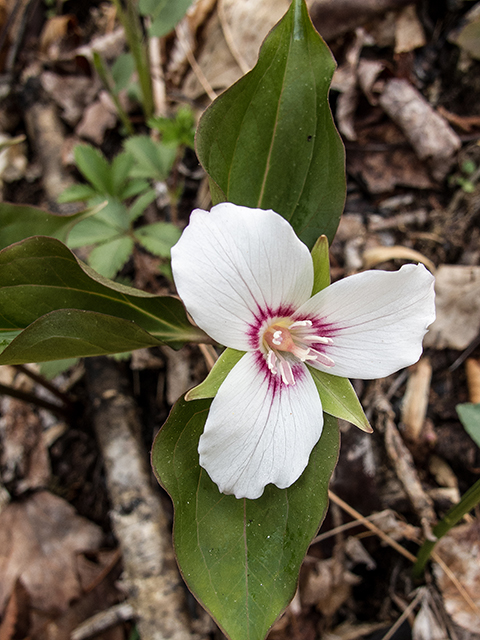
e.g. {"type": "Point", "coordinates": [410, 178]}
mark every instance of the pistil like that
{"type": "Point", "coordinates": [285, 337]}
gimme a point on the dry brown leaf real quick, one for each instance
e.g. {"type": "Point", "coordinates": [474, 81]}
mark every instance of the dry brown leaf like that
{"type": "Point", "coordinates": [72, 93]}
{"type": "Point", "coordinates": [415, 400]}
{"type": "Point", "coordinates": [97, 119]}
{"type": "Point", "coordinates": [382, 171]}
{"type": "Point", "coordinates": [409, 34]}
{"type": "Point", "coordinates": [472, 367]}
{"type": "Point", "coordinates": [328, 585]}
{"type": "Point", "coordinates": [428, 625]}
{"type": "Point", "coordinates": [377, 255]}
{"type": "Point", "coordinates": [40, 538]}
{"type": "Point", "coordinates": [457, 290]}
{"type": "Point", "coordinates": [459, 549]}
{"type": "Point", "coordinates": [16, 620]}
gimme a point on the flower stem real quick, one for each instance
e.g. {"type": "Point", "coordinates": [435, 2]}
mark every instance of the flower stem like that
{"type": "Point", "coordinates": [468, 501]}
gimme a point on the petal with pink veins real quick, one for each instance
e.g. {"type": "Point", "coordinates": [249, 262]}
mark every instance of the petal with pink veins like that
{"type": "Point", "coordinates": [259, 430]}
{"type": "Point", "coordinates": [376, 320]}
{"type": "Point", "coordinates": [233, 266]}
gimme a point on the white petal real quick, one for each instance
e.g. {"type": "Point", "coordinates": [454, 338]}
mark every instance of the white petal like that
{"type": "Point", "coordinates": [260, 431]}
{"type": "Point", "coordinates": [376, 319]}
{"type": "Point", "coordinates": [234, 265]}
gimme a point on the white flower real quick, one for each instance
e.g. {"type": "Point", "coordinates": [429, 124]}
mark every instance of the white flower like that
{"type": "Point", "coordinates": [246, 280]}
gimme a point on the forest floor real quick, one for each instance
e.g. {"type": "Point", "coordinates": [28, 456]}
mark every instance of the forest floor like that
{"type": "Point", "coordinates": [413, 194]}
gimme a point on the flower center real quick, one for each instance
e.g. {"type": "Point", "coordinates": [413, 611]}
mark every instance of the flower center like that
{"type": "Point", "coordinates": [297, 338]}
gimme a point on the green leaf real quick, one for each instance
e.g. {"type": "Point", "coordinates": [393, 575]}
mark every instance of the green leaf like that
{"type": "Point", "coordinates": [121, 166]}
{"type": "Point", "coordinates": [108, 258]}
{"type": "Point", "coordinates": [158, 238]}
{"type": "Point", "coordinates": [91, 231]}
{"type": "Point", "coordinates": [18, 222]}
{"type": "Point", "coordinates": [240, 558]}
{"type": "Point", "coordinates": [321, 265]}
{"type": "Point", "coordinates": [209, 387]}
{"type": "Point", "coordinates": [141, 203]}
{"type": "Point", "coordinates": [72, 333]}
{"type": "Point", "coordinates": [77, 192]}
{"type": "Point", "coordinates": [469, 414]}
{"type": "Point", "coordinates": [40, 275]}
{"type": "Point", "coordinates": [269, 141]}
{"type": "Point", "coordinates": [153, 159]}
{"type": "Point", "coordinates": [94, 167]}
{"type": "Point", "coordinates": [339, 399]}
{"type": "Point", "coordinates": [165, 14]}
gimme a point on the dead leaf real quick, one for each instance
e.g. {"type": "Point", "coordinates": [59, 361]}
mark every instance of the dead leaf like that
{"type": "Point", "coordinates": [409, 34]}
{"type": "Point", "coordinates": [457, 290]}
{"type": "Point", "coordinates": [328, 585]}
{"type": "Point", "coordinates": [459, 549]}
{"type": "Point", "coordinates": [72, 93]}
{"type": "Point", "coordinates": [428, 625]}
{"type": "Point", "coordinates": [472, 368]}
{"type": "Point", "coordinates": [415, 400]}
{"type": "Point", "coordinates": [16, 620]}
{"type": "Point", "coordinates": [40, 538]}
{"type": "Point", "coordinates": [97, 119]}
{"type": "Point", "coordinates": [382, 171]}
{"type": "Point", "coordinates": [377, 255]}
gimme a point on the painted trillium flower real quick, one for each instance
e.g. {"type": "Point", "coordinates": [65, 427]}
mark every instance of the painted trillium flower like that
{"type": "Point", "coordinates": [246, 280]}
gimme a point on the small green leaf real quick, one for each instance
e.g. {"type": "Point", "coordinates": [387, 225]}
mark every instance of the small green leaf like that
{"type": "Point", "coordinates": [469, 414]}
{"type": "Point", "coordinates": [121, 166]}
{"type": "Point", "coordinates": [153, 159]}
{"type": "Point", "coordinates": [40, 275]}
{"type": "Point", "coordinates": [339, 399]}
{"type": "Point", "coordinates": [18, 222]}
{"type": "Point", "coordinates": [76, 193]}
{"type": "Point", "coordinates": [108, 258]}
{"type": "Point", "coordinates": [165, 14]}
{"type": "Point", "coordinates": [158, 238]}
{"type": "Point", "coordinates": [321, 265]}
{"type": "Point", "coordinates": [141, 203]}
{"type": "Point", "coordinates": [92, 233]}
{"type": "Point", "coordinates": [209, 387]}
{"type": "Point", "coordinates": [269, 141]}
{"type": "Point", "coordinates": [240, 558]}
{"type": "Point", "coordinates": [69, 333]}
{"type": "Point", "coordinates": [94, 167]}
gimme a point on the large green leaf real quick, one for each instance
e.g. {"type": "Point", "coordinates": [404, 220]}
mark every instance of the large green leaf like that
{"type": "Point", "coordinates": [20, 221]}
{"type": "Point", "coordinates": [240, 558]}
{"type": "Point", "coordinates": [269, 141]}
{"type": "Point", "coordinates": [40, 275]}
{"type": "Point", "coordinates": [72, 333]}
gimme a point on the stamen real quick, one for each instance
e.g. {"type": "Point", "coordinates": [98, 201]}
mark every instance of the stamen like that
{"type": "Point", "coordinates": [282, 338]}
{"type": "Point", "coordinates": [271, 362]}
{"type": "Point", "coordinates": [286, 372]}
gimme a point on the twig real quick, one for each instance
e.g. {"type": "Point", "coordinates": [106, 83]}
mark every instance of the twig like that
{"type": "Point", "coordinates": [209, 354]}
{"type": "Point", "coordinates": [33, 399]}
{"type": "Point", "coordinates": [358, 516]}
{"type": "Point", "coordinates": [346, 527]}
{"type": "Point", "coordinates": [158, 80]}
{"type": "Point", "coordinates": [103, 620]}
{"type": "Point", "coordinates": [404, 616]}
{"type": "Point", "coordinates": [41, 380]}
{"type": "Point", "coordinates": [140, 525]}
{"type": "Point", "coordinates": [227, 34]}
{"type": "Point", "coordinates": [194, 64]}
